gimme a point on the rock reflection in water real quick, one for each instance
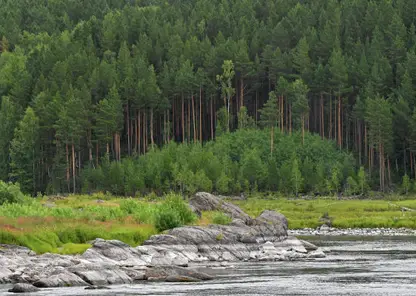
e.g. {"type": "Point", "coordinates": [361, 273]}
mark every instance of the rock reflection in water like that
{"type": "Point", "coordinates": [354, 266]}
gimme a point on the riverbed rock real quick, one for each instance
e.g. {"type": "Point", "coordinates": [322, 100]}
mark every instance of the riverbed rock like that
{"type": "Point", "coordinates": [97, 288]}
{"type": "Point", "coordinates": [63, 279]}
{"type": "Point", "coordinates": [163, 272]}
{"type": "Point", "coordinates": [163, 257]}
{"type": "Point", "coordinates": [23, 288]}
{"type": "Point", "coordinates": [4, 275]}
{"type": "Point", "coordinates": [102, 275]}
{"type": "Point", "coordinates": [179, 279]}
{"type": "Point", "coordinates": [308, 246]}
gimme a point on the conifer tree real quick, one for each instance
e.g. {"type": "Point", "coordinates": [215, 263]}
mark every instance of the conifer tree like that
{"type": "Point", "coordinates": [109, 119]}
{"type": "Point", "coordinates": [8, 121]}
{"type": "Point", "coordinates": [24, 152]}
{"type": "Point", "coordinates": [270, 116]}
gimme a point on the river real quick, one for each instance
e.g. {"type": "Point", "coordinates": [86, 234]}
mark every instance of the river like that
{"type": "Point", "coordinates": [354, 266]}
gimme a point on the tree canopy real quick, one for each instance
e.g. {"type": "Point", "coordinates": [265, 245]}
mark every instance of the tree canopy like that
{"type": "Point", "coordinates": [102, 80]}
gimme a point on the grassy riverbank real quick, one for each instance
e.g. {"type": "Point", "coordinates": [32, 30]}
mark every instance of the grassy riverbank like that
{"type": "Point", "coordinates": [66, 225]}
{"type": "Point", "coordinates": [343, 213]}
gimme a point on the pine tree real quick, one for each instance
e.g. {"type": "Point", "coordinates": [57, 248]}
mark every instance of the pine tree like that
{"type": "Point", "coordinates": [9, 118]}
{"type": "Point", "coordinates": [339, 79]}
{"type": "Point", "coordinates": [227, 90]}
{"type": "Point", "coordinates": [301, 59]}
{"type": "Point", "coordinates": [269, 116]}
{"type": "Point", "coordinates": [379, 119]}
{"type": "Point", "coordinates": [299, 91]}
{"type": "Point", "coordinates": [24, 152]}
{"type": "Point", "coordinates": [109, 120]}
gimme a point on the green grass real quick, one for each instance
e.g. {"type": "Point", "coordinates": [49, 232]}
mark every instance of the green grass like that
{"type": "Point", "coordinates": [67, 226]}
{"type": "Point", "coordinates": [344, 213]}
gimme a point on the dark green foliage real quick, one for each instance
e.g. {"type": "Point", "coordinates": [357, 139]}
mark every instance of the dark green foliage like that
{"type": "Point", "coordinates": [125, 78]}
{"type": "Point", "coordinates": [10, 193]}
{"type": "Point", "coordinates": [173, 212]}
{"type": "Point", "coordinates": [234, 162]}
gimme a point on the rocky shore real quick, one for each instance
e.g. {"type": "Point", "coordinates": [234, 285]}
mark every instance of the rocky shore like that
{"type": "Point", "coordinates": [168, 257]}
{"type": "Point", "coordinates": [324, 230]}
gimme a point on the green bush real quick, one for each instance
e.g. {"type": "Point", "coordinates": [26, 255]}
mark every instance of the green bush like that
{"type": "Point", "coordinates": [10, 193]}
{"type": "Point", "coordinates": [221, 219]}
{"type": "Point", "coordinates": [235, 161]}
{"type": "Point", "coordinates": [173, 212]}
{"type": "Point", "coordinates": [167, 219]}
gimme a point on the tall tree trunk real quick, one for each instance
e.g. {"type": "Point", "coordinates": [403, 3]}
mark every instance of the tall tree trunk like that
{"type": "Point", "coordinates": [359, 143]}
{"type": "Point", "coordinates": [322, 117]}
{"type": "Point", "coordinates": [389, 171]}
{"type": "Point", "coordinates": [68, 165]}
{"type": "Point", "coordinates": [183, 120]}
{"type": "Point", "coordinates": [404, 158]}
{"type": "Point", "coordinates": [339, 123]}
{"type": "Point", "coordinates": [90, 146]}
{"type": "Point", "coordinates": [381, 167]}
{"type": "Point", "coordinates": [286, 116]}
{"type": "Point", "coordinates": [411, 164]}
{"type": "Point", "coordinates": [165, 140]}
{"type": "Point", "coordinates": [330, 118]}
{"type": "Point", "coordinates": [73, 168]}
{"type": "Point", "coordinates": [282, 113]}
{"type": "Point", "coordinates": [200, 114]}
{"type": "Point", "coordinates": [152, 141]}
{"type": "Point", "coordinates": [139, 131]}
{"type": "Point", "coordinates": [136, 133]}
{"type": "Point", "coordinates": [256, 106]}
{"type": "Point", "coordinates": [414, 166]}
{"type": "Point", "coordinates": [241, 91]}
{"type": "Point", "coordinates": [168, 123]}
{"type": "Point", "coordinates": [145, 132]}
{"type": "Point", "coordinates": [96, 153]}
{"type": "Point", "coordinates": [188, 122]}
{"type": "Point", "coordinates": [128, 128]}
{"type": "Point", "coordinates": [193, 119]}
{"type": "Point", "coordinates": [212, 117]}
{"type": "Point", "coordinates": [303, 129]}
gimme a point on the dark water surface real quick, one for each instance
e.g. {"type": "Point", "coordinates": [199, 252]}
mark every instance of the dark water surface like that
{"type": "Point", "coordinates": [354, 266]}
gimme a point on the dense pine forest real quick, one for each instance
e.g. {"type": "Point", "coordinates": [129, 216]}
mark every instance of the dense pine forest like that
{"type": "Point", "coordinates": [132, 96]}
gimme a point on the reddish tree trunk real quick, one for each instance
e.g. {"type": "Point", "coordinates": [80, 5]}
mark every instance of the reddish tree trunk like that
{"type": "Point", "coordinates": [200, 114]}
{"type": "Point", "coordinates": [73, 168]}
{"type": "Point", "coordinates": [193, 119]}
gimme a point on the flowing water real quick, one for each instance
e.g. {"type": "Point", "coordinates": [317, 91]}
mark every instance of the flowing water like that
{"type": "Point", "coordinates": [354, 266]}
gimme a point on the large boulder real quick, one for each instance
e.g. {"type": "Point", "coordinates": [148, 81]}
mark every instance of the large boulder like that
{"type": "Point", "coordinates": [113, 252]}
{"type": "Point", "coordinates": [171, 272]}
{"type": "Point", "coordinates": [4, 275]}
{"type": "Point", "coordinates": [203, 201]}
{"type": "Point", "coordinates": [23, 288]}
{"type": "Point", "coordinates": [63, 279]}
{"type": "Point", "coordinates": [97, 274]}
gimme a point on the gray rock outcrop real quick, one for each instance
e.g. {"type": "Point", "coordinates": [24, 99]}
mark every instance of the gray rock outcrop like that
{"type": "Point", "coordinates": [23, 288]}
{"type": "Point", "coordinates": [163, 257]}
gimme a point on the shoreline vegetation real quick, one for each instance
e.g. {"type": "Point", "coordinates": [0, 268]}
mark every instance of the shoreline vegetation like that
{"type": "Point", "coordinates": [66, 225]}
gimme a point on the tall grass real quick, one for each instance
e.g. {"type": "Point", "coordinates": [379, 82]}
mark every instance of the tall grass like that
{"type": "Point", "coordinates": [344, 213]}
{"type": "Point", "coordinates": [44, 226]}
